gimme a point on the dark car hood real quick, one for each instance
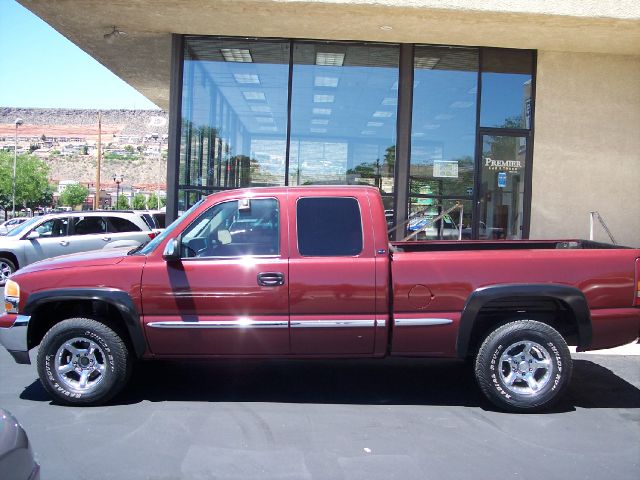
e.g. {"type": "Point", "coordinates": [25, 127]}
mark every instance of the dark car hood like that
{"type": "Point", "coordinates": [108, 256]}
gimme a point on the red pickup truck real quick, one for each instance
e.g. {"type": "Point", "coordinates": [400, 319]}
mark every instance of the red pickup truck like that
{"type": "Point", "coordinates": [308, 272]}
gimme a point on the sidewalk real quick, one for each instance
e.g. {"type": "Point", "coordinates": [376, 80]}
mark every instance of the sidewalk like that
{"type": "Point", "coordinates": [630, 349]}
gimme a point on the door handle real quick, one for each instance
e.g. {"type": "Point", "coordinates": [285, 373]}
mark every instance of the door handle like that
{"type": "Point", "coordinates": [64, 243]}
{"type": "Point", "coordinates": [106, 239]}
{"type": "Point", "coordinates": [270, 279]}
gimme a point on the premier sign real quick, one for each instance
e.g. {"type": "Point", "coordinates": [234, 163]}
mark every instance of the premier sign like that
{"type": "Point", "coordinates": [511, 165]}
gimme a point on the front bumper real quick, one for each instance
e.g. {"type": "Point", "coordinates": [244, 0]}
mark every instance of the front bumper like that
{"type": "Point", "coordinates": [14, 337]}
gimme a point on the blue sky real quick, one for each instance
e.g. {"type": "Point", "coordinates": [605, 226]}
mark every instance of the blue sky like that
{"type": "Point", "coordinates": [41, 68]}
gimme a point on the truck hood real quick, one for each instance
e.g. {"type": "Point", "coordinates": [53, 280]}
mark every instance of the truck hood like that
{"type": "Point", "coordinates": [108, 256]}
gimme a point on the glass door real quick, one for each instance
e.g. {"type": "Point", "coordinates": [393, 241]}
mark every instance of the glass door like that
{"type": "Point", "coordinates": [501, 193]}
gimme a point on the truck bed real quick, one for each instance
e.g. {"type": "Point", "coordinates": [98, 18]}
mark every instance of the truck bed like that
{"type": "Point", "coordinates": [432, 281]}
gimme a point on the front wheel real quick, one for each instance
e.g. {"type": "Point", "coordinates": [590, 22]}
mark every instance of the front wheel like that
{"type": "Point", "coordinates": [523, 366]}
{"type": "Point", "coordinates": [7, 267]}
{"type": "Point", "coordinates": [83, 362]}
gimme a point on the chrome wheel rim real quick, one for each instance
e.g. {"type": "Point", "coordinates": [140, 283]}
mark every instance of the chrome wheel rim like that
{"type": "Point", "coordinates": [525, 368]}
{"type": "Point", "coordinates": [5, 271]}
{"type": "Point", "coordinates": [80, 364]}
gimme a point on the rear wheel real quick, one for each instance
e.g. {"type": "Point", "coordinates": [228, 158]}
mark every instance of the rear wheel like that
{"type": "Point", "coordinates": [83, 362]}
{"type": "Point", "coordinates": [524, 365]}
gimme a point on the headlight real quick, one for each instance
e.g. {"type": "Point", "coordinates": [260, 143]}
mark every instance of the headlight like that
{"type": "Point", "coordinates": [11, 296]}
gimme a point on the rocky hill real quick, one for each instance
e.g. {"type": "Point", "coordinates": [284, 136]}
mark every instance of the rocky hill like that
{"type": "Point", "coordinates": [134, 142]}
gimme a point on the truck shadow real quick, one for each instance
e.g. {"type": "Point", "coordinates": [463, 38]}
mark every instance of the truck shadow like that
{"type": "Point", "coordinates": [366, 382]}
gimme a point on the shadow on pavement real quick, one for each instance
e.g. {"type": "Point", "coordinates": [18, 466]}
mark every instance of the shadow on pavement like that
{"type": "Point", "coordinates": [366, 382]}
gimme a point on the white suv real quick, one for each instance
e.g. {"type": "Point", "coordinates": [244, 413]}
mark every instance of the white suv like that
{"type": "Point", "coordinates": [69, 232]}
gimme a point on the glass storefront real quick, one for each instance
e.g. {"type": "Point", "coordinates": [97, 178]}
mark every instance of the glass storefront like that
{"type": "Point", "coordinates": [343, 115]}
{"type": "Point", "coordinates": [258, 112]}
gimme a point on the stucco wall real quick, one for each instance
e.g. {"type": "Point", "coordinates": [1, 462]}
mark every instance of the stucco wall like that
{"type": "Point", "coordinates": [587, 146]}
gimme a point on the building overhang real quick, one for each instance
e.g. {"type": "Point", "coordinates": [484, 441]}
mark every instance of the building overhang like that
{"type": "Point", "coordinates": [142, 57]}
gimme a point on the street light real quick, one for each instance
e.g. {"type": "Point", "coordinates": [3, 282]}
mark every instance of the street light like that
{"type": "Point", "coordinates": [18, 122]}
{"type": "Point", "coordinates": [118, 179]}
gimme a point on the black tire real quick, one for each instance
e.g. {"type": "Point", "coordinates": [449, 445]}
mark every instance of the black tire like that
{"type": "Point", "coordinates": [523, 366]}
{"type": "Point", "coordinates": [106, 365]}
{"type": "Point", "coordinates": [7, 267]}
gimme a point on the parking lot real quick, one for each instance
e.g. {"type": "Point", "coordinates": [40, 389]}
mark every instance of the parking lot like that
{"type": "Point", "coordinates": [392, 419]}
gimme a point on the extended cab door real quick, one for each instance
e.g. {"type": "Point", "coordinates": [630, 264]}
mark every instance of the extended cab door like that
{"type": "Point", "coordinates": [332, 274]}
{"type": "Point", "coordinates": [228, 295]}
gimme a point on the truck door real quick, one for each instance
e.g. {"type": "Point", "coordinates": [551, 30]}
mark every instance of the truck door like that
{"type": "Point", "coordinates": [332, 275]}
{"type": "Point", "coordinates": [228, 295]}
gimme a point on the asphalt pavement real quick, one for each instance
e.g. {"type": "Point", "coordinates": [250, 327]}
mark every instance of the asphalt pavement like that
{"type": "Point", "coordinates": [342, 420]}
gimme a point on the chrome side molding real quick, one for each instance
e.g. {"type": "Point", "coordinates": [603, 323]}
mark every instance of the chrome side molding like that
{"type": "Point", "coordinates": [421, 322]}
{"type": "Point", "coordinates": [212, 324]}
{"type": "Point", "coordinates": [332, 323]}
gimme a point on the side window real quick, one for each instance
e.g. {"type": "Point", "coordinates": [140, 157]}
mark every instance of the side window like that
{"type": "Point", "coordinates": [329, 227]}
{"type": "Point", "coordinates": [53, 228]}
{"type": "Point", "coordinates": [89, 225]}
{"type": "Point", "coordinates": [230, 229]}
{"type": "Point", "coordinates": [119, 225]}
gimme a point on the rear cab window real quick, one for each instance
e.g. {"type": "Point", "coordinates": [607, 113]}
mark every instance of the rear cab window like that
{"type": "Point", "coordinates": [329, 227]}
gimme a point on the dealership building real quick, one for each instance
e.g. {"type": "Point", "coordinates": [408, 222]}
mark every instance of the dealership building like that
{"type": "Point", "coordinates": [515, 118]}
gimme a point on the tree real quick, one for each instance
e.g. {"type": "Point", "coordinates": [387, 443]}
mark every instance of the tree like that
{"type": "Point", "coordinates": [122, 203]}
{"type": "Point", "coordinates": [153, 203]}
{"type": "Point", "coordinates": [73, 195]}
{"type": "Point", "coordinates": [32, 181]}
{"type": "Point", "coordinates": [139, 202]}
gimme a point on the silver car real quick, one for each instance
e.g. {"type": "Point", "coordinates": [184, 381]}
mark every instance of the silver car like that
{"type": "Point", "coordinates": [69, 232]}
{"type": "Point", "coordinates": [16, 455]}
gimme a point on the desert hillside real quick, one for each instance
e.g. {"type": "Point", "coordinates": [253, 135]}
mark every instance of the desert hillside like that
{"type": "Point", "coordinates": [134, 142]}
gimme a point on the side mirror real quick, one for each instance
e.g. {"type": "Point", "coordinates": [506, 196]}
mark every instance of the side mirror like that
{"type": "Point", "coordinates": [171, 251]}
{"type": "Point", "coordinates": [32, 235]}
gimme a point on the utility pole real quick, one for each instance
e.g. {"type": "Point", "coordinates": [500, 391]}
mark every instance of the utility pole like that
{"type": "Point", "coordinates": [18, 122]}
{"type": "Point", "coordinates": [96, 204]}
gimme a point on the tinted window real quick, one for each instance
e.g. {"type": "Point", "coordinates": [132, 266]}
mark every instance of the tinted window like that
{"type": "Point", "coordinates": [230, 230]}
{"type": "Point", "coordinates": [122, 225]}
{"type": "Point", "coordinates": [89, 225]}
{"type": "Point", "coordinates": [329, 227]}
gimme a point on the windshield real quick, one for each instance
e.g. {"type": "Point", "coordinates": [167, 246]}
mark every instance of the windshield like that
{"type": "Point", "coordinates": [22, 228]}
{"type": "Point", "coordinates": [150, 247]}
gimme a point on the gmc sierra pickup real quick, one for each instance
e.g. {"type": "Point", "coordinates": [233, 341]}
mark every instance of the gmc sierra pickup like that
{"type": "Point", "coordinates": [308, 272]}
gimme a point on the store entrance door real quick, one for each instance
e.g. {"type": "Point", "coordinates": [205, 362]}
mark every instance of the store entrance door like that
{"type": "Point", "coordinates": [503, 168]}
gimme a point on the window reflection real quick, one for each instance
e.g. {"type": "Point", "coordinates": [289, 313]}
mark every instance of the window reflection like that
{"type": "Point", "coordinates": [343, 114]}
{"type": "Point", "coordinates": [234, 114]}
{"type": "Point", "coordinates": [435, 219]}
{"type": "Point", "coordinates": [444, 121]}
{"type": "Point", "coordinates": [506, 88]}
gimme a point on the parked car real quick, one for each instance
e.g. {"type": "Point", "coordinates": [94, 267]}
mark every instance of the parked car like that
{"type": "Point", "coordinates": [16, 455]}
{"type": "Point", "coordinates": [308, 272]}
{"type": "Point", "coordinates": [155, 219]}
{"type": "Point", "coordinates": [6, 227]}
{"type": "Point", "coordinates": [63, 233]}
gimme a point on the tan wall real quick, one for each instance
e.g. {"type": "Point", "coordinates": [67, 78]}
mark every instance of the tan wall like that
{"type": "Point", "coordinates": [587, 146]}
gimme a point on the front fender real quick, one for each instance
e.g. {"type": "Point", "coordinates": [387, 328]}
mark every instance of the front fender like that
{"type": "Point", "coordinates": [117, 298]}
